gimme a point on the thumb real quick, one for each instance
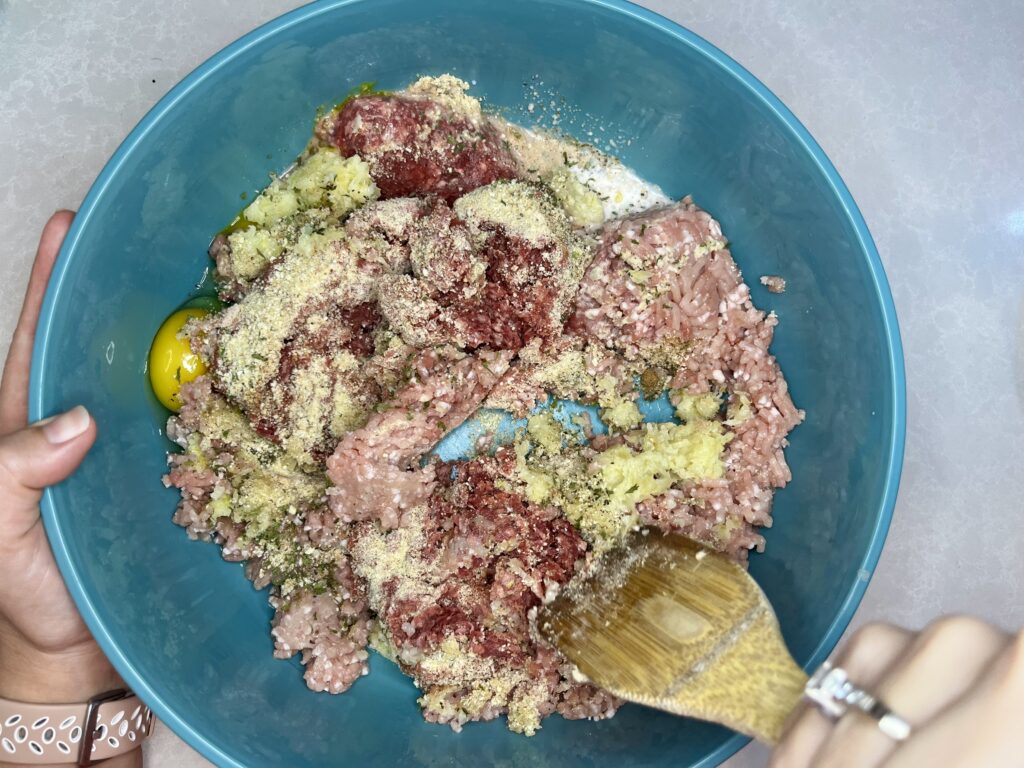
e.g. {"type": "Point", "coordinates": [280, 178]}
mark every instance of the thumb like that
{"type": "Point", "coordinates": [42, 454]}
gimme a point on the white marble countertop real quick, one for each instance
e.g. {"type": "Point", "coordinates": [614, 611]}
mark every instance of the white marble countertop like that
{"type": "Point", "coordinates": [918, 104]}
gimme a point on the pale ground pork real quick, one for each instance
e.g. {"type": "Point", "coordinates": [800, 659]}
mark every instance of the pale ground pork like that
{"type": "Point", "coordinates": [423, 261]}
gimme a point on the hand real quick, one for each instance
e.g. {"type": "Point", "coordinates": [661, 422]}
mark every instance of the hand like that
{"type": "Point", "coordinates": [46, 652]}
{"type": "Point", "coordinates": [959, 683]}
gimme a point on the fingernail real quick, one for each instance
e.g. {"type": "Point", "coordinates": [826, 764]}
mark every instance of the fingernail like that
{"type": "Point", "coordinates": [66, 426]}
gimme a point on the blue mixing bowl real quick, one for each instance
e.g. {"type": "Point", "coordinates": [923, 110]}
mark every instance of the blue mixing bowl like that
{"type": "Point", "coordinates": [186, 630]}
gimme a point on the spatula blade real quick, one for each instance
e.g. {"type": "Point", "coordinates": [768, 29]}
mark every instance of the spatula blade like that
{"type": "Point", "coordinates": [662, 621]}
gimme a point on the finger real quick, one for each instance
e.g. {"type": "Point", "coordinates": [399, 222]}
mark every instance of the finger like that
{"type": "Point", "coordinates": [943, 662]}
{"type": "Point", "coordinates": [981, 728]}
{"type": "Point", "coordinates": [14, 387]}
{"type": "Point", "coordinates": [865, 658]}
{"type": "Point", "coordinates": [35, 457]}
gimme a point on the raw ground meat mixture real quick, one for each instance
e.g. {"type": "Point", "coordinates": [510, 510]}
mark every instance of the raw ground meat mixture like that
{"type": "Point", "coordinates": [417, 146]}
{"type": "Point", "coordinates": [425, 260]}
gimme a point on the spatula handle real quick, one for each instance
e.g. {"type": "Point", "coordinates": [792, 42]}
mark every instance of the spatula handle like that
{"type": "Point", "coordinates": [753, 687]}
{"type": "Point", "coordinates": [777, 687]}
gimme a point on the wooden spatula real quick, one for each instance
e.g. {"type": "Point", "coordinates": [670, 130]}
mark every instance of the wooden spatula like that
{"type": "Point", "coordinates": [666, 623]}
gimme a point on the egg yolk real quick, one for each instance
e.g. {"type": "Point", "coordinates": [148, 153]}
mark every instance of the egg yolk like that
{"type": "Point", "coordinates": [171, 360]}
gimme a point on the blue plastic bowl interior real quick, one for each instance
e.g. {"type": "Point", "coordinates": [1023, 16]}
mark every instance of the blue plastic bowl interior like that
{"type": "Point", "coordinates": [185, 628]}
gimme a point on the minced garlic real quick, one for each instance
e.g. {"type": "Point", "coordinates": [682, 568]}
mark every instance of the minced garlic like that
{"type": "Point", "coordinates": [739, 410]}
{"type": "Point", "coordinates": [599, 492]}
{"type": "Point", "coordinates": [640, 276]}
{"type": "Point", "coordinates": [537, 477]}
{"type": "Point", "coordinates": [666, 454]}
{"type": "Point", "coordinates": [546, 431]}
{"type": "Point", "coordinates": [710, 245]}
{"type": "Point", "coordinates": [380, 641]}
{"type": "Point", "coordinates": [323, 189]}
{"type": "Point", "coordinates": [524, 709]}
{"type": "Point", "coordinates": [579, 201]}
{"type": "Point", "coordinates": [622, 416]}
{"type": "Point", "coordinates": [618, 411]}
{"type": "Point", "coordinates": [696, 407]}
{"type": "Point", "coordinates": [325, 179]}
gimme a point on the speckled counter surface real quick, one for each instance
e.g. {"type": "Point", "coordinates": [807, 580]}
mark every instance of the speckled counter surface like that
{"type": "Point", "coordinates": [919, 106]}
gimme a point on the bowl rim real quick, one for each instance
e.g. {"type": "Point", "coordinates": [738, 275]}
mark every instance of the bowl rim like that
{"type": "Point", "coordinates": [895, 439]}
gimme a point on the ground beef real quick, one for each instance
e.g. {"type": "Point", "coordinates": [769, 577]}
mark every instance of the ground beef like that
{"type": "Point", "coordinates": [381, 232]}
{"type": "Point", "coordinates": [418, 146]}
{"type": "Point", "coordinates": [330, 634]}
{"type": "Point", "coordinates": [375, 470]}
{"type": "Point", "coordinates": [348, 328]}
{"type": "Point", "coordinates": [320, 301]}
{"type": "Point", "coordinates": [477, 281]}
{"type": "Point", "coordinates": [317, 340]}
{"type": "Point", "coordinates": [477, 560]}
{"type": "Point", "coordinates": [495, 555]}
{"type": "Point", "coordinates": [220, 252]}
{"type": "Point", "coordinates": [664, 283]}
{"type": "Point", "coordinates": [321, 607]}
{"type": "Point", "coordinates": [657, 276]}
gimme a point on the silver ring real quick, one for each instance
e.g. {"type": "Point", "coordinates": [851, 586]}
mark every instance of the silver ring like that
{"type": "Point", "coordinates": [832, 692]}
